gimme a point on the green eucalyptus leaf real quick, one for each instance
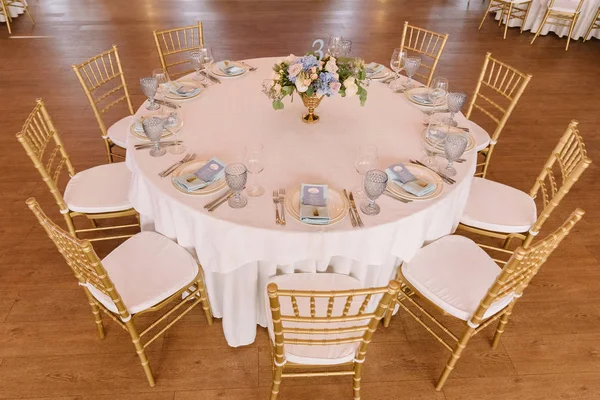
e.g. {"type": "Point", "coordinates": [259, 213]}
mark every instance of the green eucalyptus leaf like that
{"type": "Point", "coordinates": [277, 105]}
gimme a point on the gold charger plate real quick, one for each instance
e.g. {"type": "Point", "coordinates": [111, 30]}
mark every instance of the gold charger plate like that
{"type": "Point", "coordinates": [453, 131]}
{"type": "Point", "coordinates": [192, 166]}
{"type": "Point", "coordinates": [166, 133]}
{"type": "Point", "coordinates": [172, 96]}
{"type": "Point", "coordinates": [336, 203]}
{"type": "Point", "coordinates": [424, 174]}
{"type": "Point", "coordinates": [215, 70]}
{"type": "Point", "coordinates": [422, 91]}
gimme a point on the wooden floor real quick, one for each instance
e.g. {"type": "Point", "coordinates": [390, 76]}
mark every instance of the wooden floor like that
{"type": "Point", "coordinates": [48, 344]}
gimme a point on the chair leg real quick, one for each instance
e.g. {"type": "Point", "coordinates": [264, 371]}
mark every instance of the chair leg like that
{"type": "Point", "coordinates": [277, 371]}
{"type": "Point", "coordinates": [93, 222]}
{"type": "Point", "coordinates": [507, 242]}
{"type": "Point", "coordinates": [525, 17]}
{"type": "Point", "coordinates": [139, 349]}
{"type": "Point", "coordinates": [508, 15]}
{"type": "Point", "coordinates": [501, 325]}
{"type": "Point", "coordinates": [388, 315]}
{"type": "Point", "coordinates": [541, 26]}
{"type": "Point", "coordinates": [97, 316]}
{"type": "Point", "coordinates": [205, 303]}
{"type": "Point", "coordinates": [571, 31]}
{"type": "Point", "coordinates": [454, 358]}
{"type": "Point", "coordinates": [356, 380]}
{"type": "Point", "coordinates": [6, 16]}
{"type": "Point", "coordinates": [27, 12]}
{"type": "Point", "coordinates": [486, 14]}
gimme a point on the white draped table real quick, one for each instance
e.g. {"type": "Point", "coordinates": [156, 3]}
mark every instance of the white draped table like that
{"type": "Point", "coordinates": [240, 249]}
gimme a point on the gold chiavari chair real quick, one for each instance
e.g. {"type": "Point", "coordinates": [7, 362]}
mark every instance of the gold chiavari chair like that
{"type": "Point", "coordinates": [509, 9]}
{"type": "Point", "coordinates": [17, 4]}
{"type": "Point", "coordinates": [457, 278]}
{"type": "Point", "coordinates": [96, 193]}
{"type": "Point", "coordinates": [562, 13]}
{"type": "Point", "coordinates": [497, 92]}
{"type": "Point", "coordinates": [116, 284]}
{"type": "Point", "coordinates": [502, 212]}
{"type": "Point", "coordinates": [595, 24]}
{"type": "Point", "coordinates": [103, 82]}
{"type": "Point", "coordinates": [322, 322]}
{"type": "Point", "coordinates": [174, 44]}
{"type": "Point", "coordinates": [427, 44]}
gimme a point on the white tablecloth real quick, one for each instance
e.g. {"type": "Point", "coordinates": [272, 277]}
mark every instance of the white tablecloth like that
{"type": "Point", "coordinates": [240, 249]}
{"type": "Point", "coordinates": [538, 9]}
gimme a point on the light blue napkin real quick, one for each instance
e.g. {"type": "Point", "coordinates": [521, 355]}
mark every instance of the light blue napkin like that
{"type": "Point", "coordinates": [422, 98]}
{"type": "Point", "coordinates": [229, 68]}
{"type": "Point", "coordinates": [210, 172]}
{"type": "Point", "coordinates": [139, 128]}
{"type": "Point", "coordinates": [402, 177]}
{"type": "Point", "coordinates": [313, 204]}
{"type": "Point", "coordinates": [181, 90]}
{"type": "Point", "coordinates": [374, 68]}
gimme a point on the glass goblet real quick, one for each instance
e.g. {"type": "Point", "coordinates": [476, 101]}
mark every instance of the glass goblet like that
{"type": "Point", "coordinates": [333, 46]}
{"type": "Point", "coordinates": [236, 176]}
{"type": "Point", "coordinates": [436, 134]}
{"type": "Point", "coordinates": [149, 87]}
{"type": "Point", "coordinates": [438, 90]}
{"type": "Point", "coordinates": [255, 165]}
{"type": "Point", "coordinates": [455, 101]}
{"type": "Point", "coordinates": [397, 63]}
{"type": "Point", "coordinates": [345, 48]}
{"type": "Point", "coordinates": [375, 183]}
{"type": "Point", "coordinates": [207, 60]}
{"type": "Point", "coordinates": [411, 67]}
{"type": "Point", "coordinates": [455, 146]}
{"type": "Point", "coordinates": [365, 160]}
{"type": "Point", "coordinates": [163, 80]}
{"type": "Point", "coordinates": [197, 61]}
{"type": "Point", "coordinates": [174, 124]}
{"type": "Point", "coordinates": [153, 128]}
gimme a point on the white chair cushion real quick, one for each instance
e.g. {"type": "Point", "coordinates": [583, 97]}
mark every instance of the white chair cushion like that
{"type": "Point", "coordinates": [565, 6]}
{"type": "Point", "coordinates": [146, 269]}
{"type": "Point", "coordinates": [118, 131]}
{"type": "Point", "coordinates": [499, 208]}
{"type": "Point", "coordinates": [482, 138]}
{"type": "Point", "coordinates": [315, 354]}
{"type": "Point", "coordinates": [99, 189]}
{"type": "Point", "coordinates": [454, 273]}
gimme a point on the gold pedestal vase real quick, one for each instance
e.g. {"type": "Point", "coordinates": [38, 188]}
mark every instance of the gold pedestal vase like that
{"type": "Point", "coordinates": [310, 102]}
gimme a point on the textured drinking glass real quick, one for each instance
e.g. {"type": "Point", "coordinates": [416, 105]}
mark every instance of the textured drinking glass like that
{"type": "Point", "coordinates": [365, 160]}
{"type": "Point", "coordinates": [236, 176]}
{"type": "Point", "coordinates": [333, 46]}
{"type": "Point", "coordinates": [162, 78]}
{"type": "Point", "coordinates": [397, 64]}
{"type": "Point", "coordinates": [375, 183]}
{"type": "Point", "coordinates": [436, 134]}
{"type": "Point", "coordinates": [411, 67]}
{"type": "Point", "coordinates": [437, 94]}
{"type": "Point", "coordinates": [255, 165]}
{"type": "Point", "coordinates": [153, 128]}
{"type": "Point", "coordinates": [149, 87]}
{"type": "Point", "coordinates": [197, 61]}
{"type": "Point", "coordinates": [454, 148]}
{"type": "Point", "coordinates": [345, 48]}
{"type": "Point", "coordinates": [456, 101]}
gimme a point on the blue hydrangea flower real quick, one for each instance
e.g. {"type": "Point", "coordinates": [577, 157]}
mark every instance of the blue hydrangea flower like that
{"type": "Point", "coordinates": [322, 84]}
{"type": "Point", "coordinates": [308, 62]}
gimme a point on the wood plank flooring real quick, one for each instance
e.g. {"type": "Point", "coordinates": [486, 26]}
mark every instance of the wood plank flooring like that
{"type": "Point", "coordinates": [48, 344]}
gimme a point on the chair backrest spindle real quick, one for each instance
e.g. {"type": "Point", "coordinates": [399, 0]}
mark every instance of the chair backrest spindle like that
{"type": "Point", "coordinates": [428, 44]}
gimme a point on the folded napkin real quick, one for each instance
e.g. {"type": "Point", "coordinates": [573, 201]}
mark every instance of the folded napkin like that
{"type": "Point", "coordinates": [179, 89]}
{"type": "Point", "coordinates": [313, 204]}
{"type": "Point", "coordinates": [422, 98]}
{"type": "Point", "coordinates": [374, 68]}
{"type": "Point", "coordinates": [171, 121]}
{"type": "Point", "coordinates": [401, 176]}
{"type": "Point", "coordinates": [210, 172]}
{"type": "Point", "coordinates": [229, 68]}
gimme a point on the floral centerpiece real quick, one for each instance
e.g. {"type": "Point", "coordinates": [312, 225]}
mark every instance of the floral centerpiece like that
{"type": "Point", "coordinates": [314, 79]}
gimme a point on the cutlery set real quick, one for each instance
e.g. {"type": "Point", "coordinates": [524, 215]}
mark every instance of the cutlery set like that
{"type": "Point", "coordinates": [279, 198]}
{"type": "Point", "coordinates": [188, 157]}
{"type": "Point", "coordinates": [353, 211]}
{"type": "Point", "coordinates": [211, 206]}
{"type": "Point", "coordinates": [444, 177]}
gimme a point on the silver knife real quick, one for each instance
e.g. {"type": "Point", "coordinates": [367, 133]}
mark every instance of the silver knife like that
{"type": "Point", "coordinates": [212, 78]}
{"type": "Point", "coordinates": [149, 146]}
{"type": "Point", "coordinates": [223, 200]}
{"type": "Point", "coordinates": [395, 197]}
{"type": "Point", "coordinates": [215, 201]}
{"type": "Point", "coordinates": [360, 223]}
{"type": "Point", "coordinates": [444, 177]}
{"type": "Point", "coordinates": [350, 210]}
{"type": "Point", "coordinates": [166, 103]}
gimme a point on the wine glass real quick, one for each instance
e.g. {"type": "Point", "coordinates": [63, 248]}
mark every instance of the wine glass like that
{"type": "Point", "coordinates": [163, 80]}
{"type": "Point", "coordinates": [207, 60]}
{"type": "Point", "coordinates": [255, 165]}
{"type": "Point", "coordinates": [149, 87]}
{"type": "Point", "coordinates": [197, 61]}
{"type": "Point", "coordinates": [365, 160]}
{"type": "Point", "coordinates": [333, 46]}
{"type": "Point", "coordinates": [397, 64]}
{"type": "Point", "coordinates": [174, 124]}
{"type": "Point", "coordinates": [236, 176]}
{"type": "Point", "coordinates": [454, 147]}
{"type": "Point", "coordinates": [375, 183]}
{"type": "Point", "coordinates": [437, 132]}
{"type": "Point", "coordinates": [438, 90]}
{"type": "Point", "coordinates": [153, 128]}
{"type": "Point", "coordinates": [456, 101]}
{"type": "Point", "coordinates": [411, 67]}
{"type": "Point", "coordinates": [345, 48]}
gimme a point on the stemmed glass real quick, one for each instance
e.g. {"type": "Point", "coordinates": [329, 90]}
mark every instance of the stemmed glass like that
{"type": "Point", "coordinates": [149, 87]}
{"type": "Point", "coordinates": [197, 61]}
{"type": "Point", "coordinates": [454, 148]}
{"type": "Point", "coordinates": [438, 90]}
{"type": "Point", "coordinates": [236, 176]}
{"type": "Point", "coordinates": [174, 124]}
{"type": "Point", "coordinates": [411, 67]}
{"type": "Point", "coordinates": [397, 64]}
{"type": "Point", "coordinates": [456, 101]}
{"type": "Point", "coordinates": [436, 134]}
{"type": "Point", "coordinates": [255, 163]}
{"type": "Point", "coordinates": [333, 46]}
{"type": "Point", "coordinates": [207, 60]}
{"type": "Point", "coordinates": [375, 183]}
{"type": "Point", "coordinates": [162, 78]}
{"type": "Point", "coordinates": [153, 128]}
{"type": "Point", "coordinates": [365, 160]}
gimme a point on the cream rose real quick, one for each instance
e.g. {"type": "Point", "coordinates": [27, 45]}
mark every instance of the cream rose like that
{"type": "Point", "coordinates": [294, 69]}
{"type": "Point", "coordinates": [351, 87]}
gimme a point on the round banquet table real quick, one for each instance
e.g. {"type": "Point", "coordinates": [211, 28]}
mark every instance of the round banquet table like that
{"type": "Point", "coordinates": [240, 249]}
{"type": "Point", "coordinates": [538, 9]}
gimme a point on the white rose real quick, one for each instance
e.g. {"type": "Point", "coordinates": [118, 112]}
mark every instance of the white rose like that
{"type": "Point", "coordinates": [290, 59]}
{"type": "Point", "coordinates": [300, 86]}
{"type": "Point", "coordinates": [331, 66]}
{"type": "Point", "coordinates": [351, 87]}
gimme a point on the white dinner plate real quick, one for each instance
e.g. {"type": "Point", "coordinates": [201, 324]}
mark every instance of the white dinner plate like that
{"type": "Point", "coordinates": [453, 131]}
{"type": "Point", "coordinates": [336, 204]}
{"type": "Point", "coordinates": [173, 96]}
{"type": "Point", "coordinates": [142, 135]}
{"type": "Point", "coordinates": [421, 91]}
{"type": "Point", "coordinates": [421, 173]}
{"type": "Point", "coordinates": [193, 166]}
{"type": "Point", "coordinates": [215, 70]}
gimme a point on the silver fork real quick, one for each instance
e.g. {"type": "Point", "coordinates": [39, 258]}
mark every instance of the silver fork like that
{"type": "Point", "coordinates": [166, 172]}
{"type": "Point", "coordinates": [282, 201]}
{"type": "Point", "coordinates": [250, 67]}
{"type": "Point", "coordinates": [276, 202]}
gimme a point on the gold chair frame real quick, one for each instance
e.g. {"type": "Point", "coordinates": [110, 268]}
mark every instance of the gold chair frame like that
{"type": "Point", "coordinates": [509, 83]}
{"type": "Point", "coordinates": [363, 336]}
{"type": "Point", "coordinates": [87, 267]}
{"type": "Point", "coordinates": [93, 75]}
{"type": "Point", "coordinates": [37, 137]}
{"type": "Point", "coordinates": [514, 278]}
{"type": "Point", "coordinates": [509, 10]}
{"type": "Point", "coordinates": [595, 24]}
{"type": "Point", "coordinates": [566, 19]}
{"type": "Point", "coordinates": [14, 3]}
{"type": "Point", "coordinates": [571, 157]}
{"type": "Point", "coordinates": [178, 40]}
{"type": "Point", "coordinates": [426, 43]}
